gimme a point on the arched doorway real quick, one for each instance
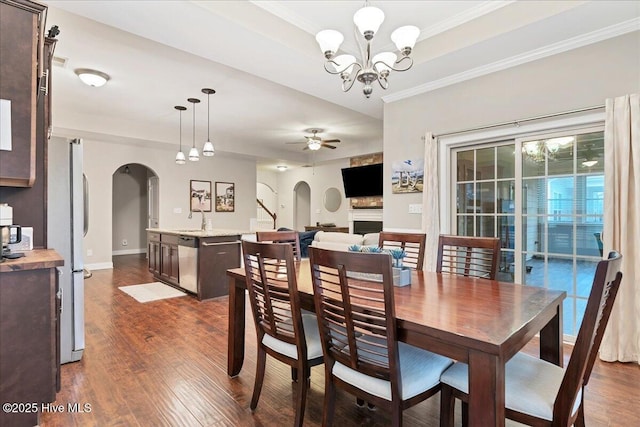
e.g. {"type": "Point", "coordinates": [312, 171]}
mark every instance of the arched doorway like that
{"type": "Point", "coordinates": [134, 207]}
{"type": "Point", "coordinates": [301, 205]}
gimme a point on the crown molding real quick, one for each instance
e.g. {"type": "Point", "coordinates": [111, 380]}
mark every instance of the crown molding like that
{"type": "Point", "coordinates": [533, 55]}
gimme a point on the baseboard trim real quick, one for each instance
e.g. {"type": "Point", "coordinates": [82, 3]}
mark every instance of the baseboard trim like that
{"type": "Point", "coordinates": [99, 266]}
{"type": "Point", "coordinates": [129, 251]}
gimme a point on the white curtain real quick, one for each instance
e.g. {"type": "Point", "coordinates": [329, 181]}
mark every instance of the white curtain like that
{"type": "Point", "coordinates": [430, 202]}
{"type": "Point", "coordinates": [621, 341]}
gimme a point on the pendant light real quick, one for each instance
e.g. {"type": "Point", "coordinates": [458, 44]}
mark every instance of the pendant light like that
{"type": "Point", "coordinates": [193, 153]}
{"type": "Point", "coordinates": [208, 149]}
{"type": "Point", "coordinates": [180, 156]}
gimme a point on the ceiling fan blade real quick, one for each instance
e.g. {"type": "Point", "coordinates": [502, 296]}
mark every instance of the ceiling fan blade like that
{"type": "Point", "coordinates": [306, 147]}
{"type": "Point", "coordinates": [333, 141]}
{"type": "Point", "coordinates": [329, 146]}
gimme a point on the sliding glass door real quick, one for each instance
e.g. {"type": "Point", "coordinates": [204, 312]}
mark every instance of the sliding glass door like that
{"type": "Point", "coordinates": [544, 197]}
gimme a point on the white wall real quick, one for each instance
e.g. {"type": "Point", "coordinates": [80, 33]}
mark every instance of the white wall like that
{"type": "Point", "coordinates": [320, 178]}
{"type": "Point", "coordinates": [101, 159]}
{"type": "Point", "coordinates": [130, 210]}
{"type": "Point", "coordinates": [579, 78]}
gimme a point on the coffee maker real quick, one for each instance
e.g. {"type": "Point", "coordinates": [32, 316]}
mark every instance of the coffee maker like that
{"type": "Point", "coordinates": [9, 233]}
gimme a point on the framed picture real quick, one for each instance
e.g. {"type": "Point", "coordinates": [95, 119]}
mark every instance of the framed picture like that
{"type": "Point", "coordinates": [407, 176]}
{"type": "Point", "coordinates": [200, 196]}
{"type": "Point", "coordinates": [225, 197]}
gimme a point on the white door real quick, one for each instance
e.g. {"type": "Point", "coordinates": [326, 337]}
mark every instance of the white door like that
{"type": "Point", "coordinates": [152, 186]}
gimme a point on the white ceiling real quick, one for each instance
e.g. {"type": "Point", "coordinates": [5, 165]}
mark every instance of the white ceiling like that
{"type": "Point", "coordinates": [262, 59]}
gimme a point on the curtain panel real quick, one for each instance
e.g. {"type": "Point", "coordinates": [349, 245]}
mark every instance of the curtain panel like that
{"type": "Point", "coordinates": [430, 202]}
{"type": "Point", "coordinates": [621, 341]}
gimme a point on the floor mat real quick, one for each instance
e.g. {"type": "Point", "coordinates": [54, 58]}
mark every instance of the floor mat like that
{"type": "Point", "coordinates": [151, 291]}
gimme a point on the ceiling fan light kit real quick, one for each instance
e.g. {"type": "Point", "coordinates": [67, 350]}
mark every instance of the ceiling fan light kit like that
{"type": "Point", "coordinates": [368, 70]}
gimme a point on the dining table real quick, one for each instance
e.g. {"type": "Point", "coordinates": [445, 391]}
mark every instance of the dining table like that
{"type": "Point", "coordinates": [477, 321]}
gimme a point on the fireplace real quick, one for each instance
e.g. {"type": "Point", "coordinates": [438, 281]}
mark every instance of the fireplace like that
{"type": "Point", "coordinates": [363, 221]}
{"type": "Point", "coordinates": [364, 227]}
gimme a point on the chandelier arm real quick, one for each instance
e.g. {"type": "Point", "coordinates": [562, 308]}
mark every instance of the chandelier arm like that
{"type": "Point", "coordinates": [364, 53]}
{"type": "Point", "coordinates": [392, 67]}
{"type": "Point", "coordinates": [347, 84]}
{"type": "Point", "coordinates": [336, 66]}
{"type": "Point", "coordinates": [384, 85]}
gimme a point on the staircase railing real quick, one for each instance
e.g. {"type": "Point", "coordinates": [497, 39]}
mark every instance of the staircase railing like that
{"type": "Point", "coordinates": [268, 212]}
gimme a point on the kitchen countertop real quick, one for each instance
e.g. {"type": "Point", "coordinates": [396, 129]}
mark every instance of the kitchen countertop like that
{"type": "Point", "coordinates": [33, 260]}
{"type": "Point", "coordinates": [199, 233]}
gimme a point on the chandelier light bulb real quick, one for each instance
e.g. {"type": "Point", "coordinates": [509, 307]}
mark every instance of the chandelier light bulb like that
{"type": "Point", "coordinates": [405, 38]}
{"type": "Point", "coordinates": [368, 20]}
{"type": "Point", "coordinates": [383, 61]}
{"type": "Point", "coordinates": [329, 41]}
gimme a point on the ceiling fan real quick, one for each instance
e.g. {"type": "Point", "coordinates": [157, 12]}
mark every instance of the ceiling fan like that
{"type": "Point", "coordinates": [314, 142]}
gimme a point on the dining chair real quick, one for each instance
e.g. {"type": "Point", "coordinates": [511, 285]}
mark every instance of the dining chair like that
{"type": "Point", "coordinates": [412, 243]}
{"type": "Point", "coordinates": [282, 330]}
{"type": "Point", "coordinates": [291, 237]}
{"type": "Point", "coordinates": [468, 256]}
{"type": "Point", "coordinates": [353, 295]}
{"type": "Point", "coordinates": [539, 393]}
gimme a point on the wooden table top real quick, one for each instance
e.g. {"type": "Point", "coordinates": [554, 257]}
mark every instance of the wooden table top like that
{"type": "Point", "coordinates": [484, 314]}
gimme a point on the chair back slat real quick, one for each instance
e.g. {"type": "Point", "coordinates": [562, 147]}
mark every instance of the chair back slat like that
{"type": "Point", "coordinates": [413, 245]}
{"type": "Point", "coordinates": [353, 294]}
{"type": "Point", "coordinates": [606, 283]}
{"type": "Point", "coordinates": [468, 256]}
{"type": "Point", "coordinates": [273, 292]}
{"type": "Point", "coordinates": [291, 237]}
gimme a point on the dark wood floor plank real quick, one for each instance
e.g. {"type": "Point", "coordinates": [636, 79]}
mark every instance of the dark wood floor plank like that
{"type": "Point", "coordinates": [163, 363]}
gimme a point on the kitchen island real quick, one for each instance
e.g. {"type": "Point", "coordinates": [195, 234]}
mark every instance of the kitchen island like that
{"type": "Point", "coordinates": [194, 260]}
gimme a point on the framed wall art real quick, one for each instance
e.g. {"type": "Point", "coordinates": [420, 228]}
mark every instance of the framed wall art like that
{"type": "Point", "coordinates": [407, 176]}
{"type": "Point", "coordinates": [225, 196]}
{"type": "Point", "coordinates": [200, 196]}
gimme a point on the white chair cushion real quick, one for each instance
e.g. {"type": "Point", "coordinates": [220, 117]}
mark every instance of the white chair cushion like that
{"type": "Point", "coordinates": [531, 384]}
{"type": "Point", "coordinates": [311, 334]}
{"type": "Point", "coordinates": [419, 371]}
{"type": "Point", "coordinates": [332, 246]}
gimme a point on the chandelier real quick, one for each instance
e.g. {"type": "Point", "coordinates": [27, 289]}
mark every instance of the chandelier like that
{"type": "Point", "coordinates": [538, 151]}
{"type": "Point", "coordinates": [368, 70]}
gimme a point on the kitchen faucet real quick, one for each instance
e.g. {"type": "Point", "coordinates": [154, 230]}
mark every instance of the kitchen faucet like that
{"type": "Point", "coordinates": [203, 225]}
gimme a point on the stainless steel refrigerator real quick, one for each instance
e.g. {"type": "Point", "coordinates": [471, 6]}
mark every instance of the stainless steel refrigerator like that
{"type": "Point", "coordinates": [65, 229]}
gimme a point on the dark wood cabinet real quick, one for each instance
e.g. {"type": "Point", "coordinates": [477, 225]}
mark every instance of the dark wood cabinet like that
{"type": "Point", "coordinates": [169, 263]}
{"type": "Point", "coordinates": [29, 327]}
{"type": "Point", "coordinates": [215, 256]}
{"type": "Point", "coordinates": [21, 66]}
{"type": "Point", "coordinates": [154, 253]}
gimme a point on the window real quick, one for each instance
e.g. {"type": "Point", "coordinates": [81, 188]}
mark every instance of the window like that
{"type": "Point", "coordinates": [544, 197]}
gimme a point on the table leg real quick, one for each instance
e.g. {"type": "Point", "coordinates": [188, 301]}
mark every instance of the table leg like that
{"type": "Point", "coordinates": [551, 348]}
{"type": "Point", "coordinates": [486, 390]}
{"type": "Point", "coordinates": [235, 338]}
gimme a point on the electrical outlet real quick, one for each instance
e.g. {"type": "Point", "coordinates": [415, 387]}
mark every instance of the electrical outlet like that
{"type": "Point", "coordinates": [124, 242]}
{"type": "Point", "coordinates": [415, 208]}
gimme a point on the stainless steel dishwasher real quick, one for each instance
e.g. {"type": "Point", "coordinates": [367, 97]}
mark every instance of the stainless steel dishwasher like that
{"type": "Point", "coordinates": [188, 263]}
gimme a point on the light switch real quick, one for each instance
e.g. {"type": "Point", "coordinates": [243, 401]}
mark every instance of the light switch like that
{"type": "Point", "coordinates": [177, 210]}
{"type": "Point", "coordinates": [415, 208]}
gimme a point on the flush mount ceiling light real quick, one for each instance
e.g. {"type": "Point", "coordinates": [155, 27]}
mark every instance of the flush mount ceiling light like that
{"type": "Point", "coordinates": [281, 167]}
{"type": "Point", "coordinates": [368, 70]}
{"type": "Point", "coordinates": [92, 77]}
{"type": "Point", "coordinates": [207, 149]}
{"type": "Point", "coordinates": [193, 153]}
{"type": "Point", "coordinates": [180, 156]}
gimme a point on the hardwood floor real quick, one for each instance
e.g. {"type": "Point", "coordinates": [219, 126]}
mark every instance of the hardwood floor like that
{"type": "Point", "coordinates": [163, 363]}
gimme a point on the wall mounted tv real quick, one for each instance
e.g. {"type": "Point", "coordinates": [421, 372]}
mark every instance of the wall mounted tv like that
{"type": "Point", "coordinates": [362, 181]}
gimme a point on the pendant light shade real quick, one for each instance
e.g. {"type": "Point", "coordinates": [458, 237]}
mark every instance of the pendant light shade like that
{"type": "Point", "coordinates": [207, 149]}
{"type": "Point", "coordinates": [180, 160]}
{"type": "Point", "coordinates": [194, 156]}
